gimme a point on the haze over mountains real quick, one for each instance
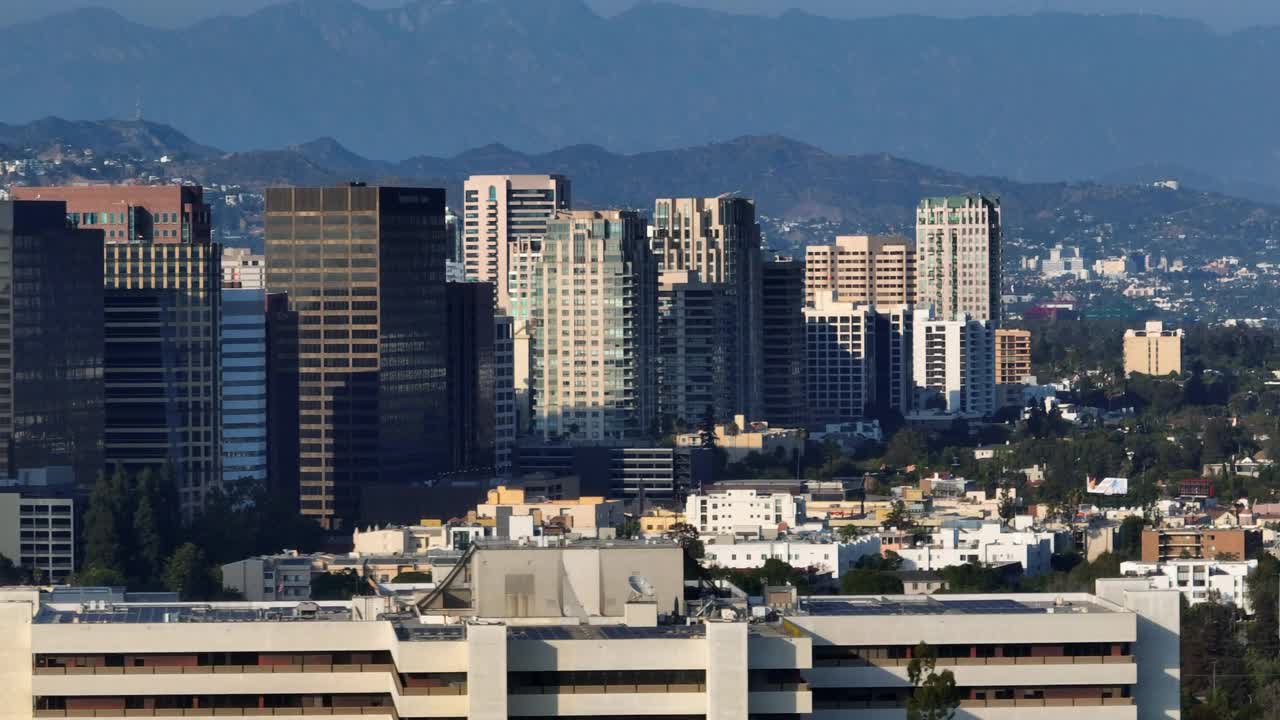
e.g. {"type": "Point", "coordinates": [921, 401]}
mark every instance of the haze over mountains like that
{"type": "Point", "coordinates": [792, 182]}
{"type": "Point", "coordinates": [1039, 97]}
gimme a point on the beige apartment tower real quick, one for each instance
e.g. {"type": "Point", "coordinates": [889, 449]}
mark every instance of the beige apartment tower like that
{"type": "Point", "coordinates": [958, 256]}
{"type": "Point", "coordinates": [594, 329]}
{"type": "Point", "coordinates": [719, 239]}
{"type": "Point", "coordinates": [1013, 365]}
{"type": "Point", "coordinates": [862, 269]}
{"type": "Point", "coordinates": [498, 209]}
{"type": "Point", "coordinates": [1153, 350]}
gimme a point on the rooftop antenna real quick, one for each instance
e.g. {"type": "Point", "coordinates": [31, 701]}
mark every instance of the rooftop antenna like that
{"type": "Point", "coordinates": [641, 588]}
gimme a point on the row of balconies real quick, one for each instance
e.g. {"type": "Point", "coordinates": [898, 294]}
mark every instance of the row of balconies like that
{"type": "Point", "coordinates": [219, 712]}
{"type": "Point", "coordinates": [904, 662]}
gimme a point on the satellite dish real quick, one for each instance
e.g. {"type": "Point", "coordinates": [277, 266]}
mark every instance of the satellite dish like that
{"type": "Point", "coordinates": [640, 587]}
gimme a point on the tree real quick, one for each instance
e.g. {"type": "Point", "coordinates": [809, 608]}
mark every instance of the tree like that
{"type": "Point", "coordinates": [1129, 537]}
{"type": "Point", "coordinates": [1263, 586]}
{"type": "Point", "coordinates": [1006, 509]}
{"type": "Point", "coordinates": [336, 585]}
{"type": "Point", "coordinates": [1212, 656]}
{"type": "Point", "coordinates": [149, 547]}
{"type": "Point", "coordinates": [97, 576]}
{"type": "Point", "coordinates": [860, 581]}
{"type": "Point", "coordinates": [934, 695]}
{"type": "Point", "coordinates": [849, 532]}
{"type": "Point", "coordinates": [707, 430]}
{"type": "Point", "coordinates": [898, 516]}
{"type": "Point", "coordinates": [11, 574]}
{"type": "Point", "coordinates": [189, 574]}
{"type": "Point", "coordinates": [906, 447]}
{"type": "Point", "coordinates": [104, 526]}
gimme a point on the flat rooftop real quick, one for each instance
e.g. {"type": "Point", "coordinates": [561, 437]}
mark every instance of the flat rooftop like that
{"type": "Point", "coordinates": [926, 605]}
{"type": "Point", "coordinates": [187, 613]}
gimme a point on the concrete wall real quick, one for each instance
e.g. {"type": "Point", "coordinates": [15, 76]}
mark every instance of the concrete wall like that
{"type": "Point", "coordinates": [15, 660]}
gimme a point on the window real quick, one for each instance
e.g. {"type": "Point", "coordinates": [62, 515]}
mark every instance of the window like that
{"type": "Point", "coordinates": [493, 194]}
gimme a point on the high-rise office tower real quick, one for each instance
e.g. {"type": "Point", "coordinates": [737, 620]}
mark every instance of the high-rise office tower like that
{"type": "Point", "coordinates": [862, 269]}
{"type": "Point", "coordinates": [783, 353]}
{"type": "Point", "coordinates": [840, 342]}
{"type": "Point", "coordinates": [471, 373]}
{"type": "Point", "coordinates": [719, 238]}
{"type": "Point", "coordinates": [244, 386]}
{"type": "Point", "coordinates": [958, 256]}
{"type": "Point", "coordinates": [595, 328]}
{"type": "Point", "coordinates": [282, 399]}
{"type": "Point", "coordinates": [498, 209]}
{"type": "Point", "coordinates": [363, 268]}
{"type": "Point", "coordinates": [691, 363]}
{"type": "Point", "coordinates": [1013, 365]}
{"type": "Point", "coordinates": [51, 365]}
{"type": "Point", "coordinates": [953, 364]}
{"type": "Point", "coordinates": [162, 311]}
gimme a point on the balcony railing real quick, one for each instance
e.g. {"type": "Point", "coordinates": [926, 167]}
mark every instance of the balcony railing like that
{"type": "Point", "coordinates": [657, 688]}
{"type": "Point", "coordinates": [218, 712]}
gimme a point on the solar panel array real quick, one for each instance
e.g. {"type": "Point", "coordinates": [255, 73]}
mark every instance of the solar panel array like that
{"type": "Point", "coordinates": [622, 632]}
{"type": "Point", "coordinates": [433, 632]}
{"type": "Point", "coordinates": [550, 632]}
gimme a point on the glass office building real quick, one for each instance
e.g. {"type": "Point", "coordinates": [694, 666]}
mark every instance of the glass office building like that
{"type": "Point", "coordinates": [244, 386]}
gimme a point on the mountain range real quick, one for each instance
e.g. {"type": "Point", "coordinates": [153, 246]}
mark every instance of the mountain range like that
{"type": "Point", "coordinates": [1028, 97]}
{"type": "Point", "coordinates": [807, 193]}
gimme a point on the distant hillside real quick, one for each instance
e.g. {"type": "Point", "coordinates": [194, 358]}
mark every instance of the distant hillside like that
{"type": "Point", "coordinates": [1029, 97]}
{"type": "Point", "coordinates": [809, 194]}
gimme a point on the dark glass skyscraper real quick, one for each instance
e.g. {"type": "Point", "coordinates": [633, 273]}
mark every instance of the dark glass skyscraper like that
{"type": "Point", "coordinates": [471, 377]}
{"type": "Point", "coordinates": [364, 269]}
{"type": "Point", "coordinates": [51, 391]}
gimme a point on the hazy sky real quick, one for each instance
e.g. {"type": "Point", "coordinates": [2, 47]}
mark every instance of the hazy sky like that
{"type": "Point", "coordinates": [1223, 14]}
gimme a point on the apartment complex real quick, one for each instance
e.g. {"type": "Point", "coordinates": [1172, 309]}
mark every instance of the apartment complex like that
{"type": "Point", "coordinates": [719, 239]}
{"type": "Point", "coordinates": [244, 386]}
{"type": "Point", "coordinates": [862, 269]}
{"type": "Point", "coordinates": [744, 511]}
{"type": "Point", "coordinates": [741, 437]}
{"type": "Point", "coordinates": [497, 210]}
{"type": "Point", "coordinates": [635, 473]}
{"type": "Point", "coordinates": [595, 329]}
{"type": "Point", "coordinates": [692, 368]}
{"type": "Point", "coordinates": [1113, 655]}
{"type": "Point", "coordinates": [363, 269]}
{"type": "Point", "coordinates": [241, 268]}
{"type": "Point", "coordinates": [128, 214]}
{"type": "Point", "coordinates": [51, 338]}
{"type": "Point", "coordinates": [1166, 544]}
{"type": "Point", "coordinates": [840, 345]}
{"type": "Point", "coordinates": [1153, 350]}
{"type": "Point", "coordinates": [953, 364]}
{"type": "Point", "coordinates": [1199, 581]}
{"type": "Point", "coordinates": [1013, 365]}
{"type": "Point", "coordinates": [958, 256]}
{"type": "Point", "coordinates": [783, 355]}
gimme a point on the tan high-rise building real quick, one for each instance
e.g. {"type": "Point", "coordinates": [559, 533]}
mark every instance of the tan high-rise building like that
{"type": "Point", "coordinates": [958, 256]}
{"type": "Point", "coordinates": [862, 269]}
{"type": "Point", "coordinates": [1013, 365]}
{"type": "Point", "coordinates": [1153, 350]}
{"type": "Point", "coordinates": [363, 268]}
{"type": "Point", "coordinates": [719, 239]}
{"type": "Point", "coordinates": [595, 328]}
{"type": "Point", "coordinates": [498, 209]}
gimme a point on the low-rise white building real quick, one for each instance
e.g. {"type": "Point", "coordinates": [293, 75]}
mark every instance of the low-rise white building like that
{"type": "Point", "coordinates": [826, 557]}
{"type": "Point", "coordinates": [1199, 580]}
{"type": "Point", "coordinates": [989, 545]}
{"type": "Point", "coordinates": [743, 512]}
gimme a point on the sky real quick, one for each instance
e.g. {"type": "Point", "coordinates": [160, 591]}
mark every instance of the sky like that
{"type": "Point", "coordinates": [1225, 15]}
